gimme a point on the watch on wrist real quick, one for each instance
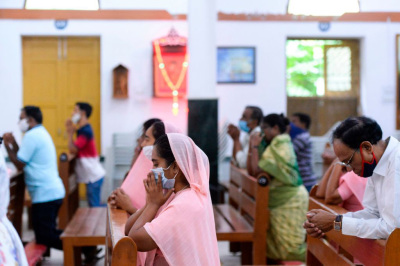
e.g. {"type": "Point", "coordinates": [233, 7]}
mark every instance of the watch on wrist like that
{"type": "Point", "coordinates": [337, 223]}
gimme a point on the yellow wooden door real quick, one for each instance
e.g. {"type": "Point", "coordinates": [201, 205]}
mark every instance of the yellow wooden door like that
{"type": "Point", "coordinates": [42, 77]}
{"type": "Point", "coordinates": [58, 72]}
{"type": "Point", "coordinates": [82, 78]}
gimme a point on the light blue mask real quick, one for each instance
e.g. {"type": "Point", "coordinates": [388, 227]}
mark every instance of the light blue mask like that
{"type": "Point", "coordinates": [166, 183]}
{"type": "Point", "coordinates": [243, 126]}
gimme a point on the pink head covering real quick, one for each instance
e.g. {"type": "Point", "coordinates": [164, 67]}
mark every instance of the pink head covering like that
{"type": "Point", "coordinates": [192, 161]}
{"type": "Point", "coordinates": [133, 183]}
{"type": "Point", "coordinates": [186, 222]}
{"type": "Point", "coordinates": [169, 128]}
{"type": "Point", "coordinates": [351, 189]}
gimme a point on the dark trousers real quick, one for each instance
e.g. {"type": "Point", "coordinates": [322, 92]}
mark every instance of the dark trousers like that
{"type": "Point", "coordinates": [44, 217]}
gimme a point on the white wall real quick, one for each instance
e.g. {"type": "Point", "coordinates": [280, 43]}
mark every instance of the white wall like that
{"type": "Point", "coordinates": [129, 43]}
{"type": "Point", "coordinates": [122, 42]}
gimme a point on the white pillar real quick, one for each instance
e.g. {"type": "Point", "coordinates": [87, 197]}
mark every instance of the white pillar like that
{"type": "Point", "coordinates": [202, 78]}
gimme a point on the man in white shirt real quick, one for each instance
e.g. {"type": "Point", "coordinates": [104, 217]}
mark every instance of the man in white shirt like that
{"type": "Point", "coordinates": [358, 144]}
{"type": "Point", "coordinates": [249, 123]}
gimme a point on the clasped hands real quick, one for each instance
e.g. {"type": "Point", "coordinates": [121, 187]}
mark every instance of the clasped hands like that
{"type": "Point", "coordinates": [154, 191]}
{"type": "Point", "coordinates": [8, 138]}
{"type": "Point", "coordinates": [318, 222]}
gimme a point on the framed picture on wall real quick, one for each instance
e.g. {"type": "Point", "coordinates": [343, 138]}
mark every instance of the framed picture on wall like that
{"type": "Point", "coordinates": [236, 65]}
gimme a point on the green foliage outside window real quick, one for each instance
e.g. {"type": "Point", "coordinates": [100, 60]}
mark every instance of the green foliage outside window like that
{"type": "Point", "coordinates": [305, 67]}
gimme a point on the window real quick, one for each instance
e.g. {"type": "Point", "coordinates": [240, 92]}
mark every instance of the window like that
{"type": "Point", "coordinates": [323, 7]}
{"type": "Point", "coordinates": [62, 4]}
{"type": "Point", "coordinates": [316, 68]}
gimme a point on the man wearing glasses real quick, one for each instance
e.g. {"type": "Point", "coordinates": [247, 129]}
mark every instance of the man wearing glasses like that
{"type": "Point", "coordinates": [358, 144]}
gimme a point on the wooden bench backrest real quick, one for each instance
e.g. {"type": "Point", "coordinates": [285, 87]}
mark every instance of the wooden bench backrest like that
{"type": "Point", "coordinates": [235, 184]}
{"type": "Point", "coordinates": [120, 249]}
{"type": "Point", "coordinates": [66, 169]}
{"type": "Point", "coordinates": [252, 196]}
{"type": "Point", "coordinates": [367, 251]}
{"type": "Point", "coordinates": [16, 206]}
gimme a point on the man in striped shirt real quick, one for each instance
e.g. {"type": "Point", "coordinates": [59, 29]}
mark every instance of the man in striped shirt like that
{"type": "Point", "coordinates": [302, 146]}
{"type": "Point", "coordinates": [88, 168]}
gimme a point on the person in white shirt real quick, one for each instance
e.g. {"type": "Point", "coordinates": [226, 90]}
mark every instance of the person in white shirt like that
{"type": "Point", "coordinates": [249, 123]}
{"type": "Point", "coordinates": [358, 144]}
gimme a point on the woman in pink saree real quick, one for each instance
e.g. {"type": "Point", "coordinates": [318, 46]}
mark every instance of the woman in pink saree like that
{"type": "Point", "coordinates": [176, 226]}
{"type": "Point", "coordinates": [343, 188]}
{"type": "Point", "coordinates": [131, 196]}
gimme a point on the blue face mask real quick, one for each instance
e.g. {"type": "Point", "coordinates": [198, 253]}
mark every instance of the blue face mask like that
{"type": "Point", "coordinates": [243, 126]}
{"type": "Point", "coordinates": [166, 183]}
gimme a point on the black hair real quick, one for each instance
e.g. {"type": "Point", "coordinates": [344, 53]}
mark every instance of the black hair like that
{"type": "Point", "coordinates": [163, 149]}
{"type": "Point", "coordinates": [256, 113]}
{"type": "Point", "coordinates": [149, 123]}
{"type": "Point", "coordinates": [158, 129]}
{"type": "Point", "coordinates": [86, 107]}
{"type": "Point", "coordinates": [34, 112]}
{"type": "Point", "coordinates": [277, 120]}
{"type": "Point", "coordinates": [354, 130]}
{"type": "Point", "coordinates": [304, 118]}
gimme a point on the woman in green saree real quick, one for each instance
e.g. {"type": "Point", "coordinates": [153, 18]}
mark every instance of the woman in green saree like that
{"type": "Point", "coordinates": [288, 198]}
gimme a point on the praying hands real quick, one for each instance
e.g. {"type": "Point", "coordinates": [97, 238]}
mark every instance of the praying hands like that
{"type": "Point", "coordinates": [318, 223]}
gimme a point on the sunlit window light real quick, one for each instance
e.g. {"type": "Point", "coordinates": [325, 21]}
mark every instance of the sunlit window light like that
{"type": "Point", "coordinates": [62, 4]}
{"type": "Point", "coordinates": [323, 7]}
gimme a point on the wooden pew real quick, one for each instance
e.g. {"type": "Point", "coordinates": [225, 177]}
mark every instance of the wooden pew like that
{"type": "Point", "coordinates": [120, 249]}
{"type": "Point", "coordinates": [339, 249]}
{"type": "Point", "coordinates": [245, 218]}
{"type": "Point", "coordinates": [66, 169]}
{"type": "Point", "coordinates": [16, 205]}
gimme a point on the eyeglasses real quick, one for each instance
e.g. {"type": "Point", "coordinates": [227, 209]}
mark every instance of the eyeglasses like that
{"type": "Point", "coordinates": [347, 165]}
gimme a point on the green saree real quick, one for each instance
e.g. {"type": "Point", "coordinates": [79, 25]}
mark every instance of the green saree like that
{"type": "Point", "coordinates": [288, 201]}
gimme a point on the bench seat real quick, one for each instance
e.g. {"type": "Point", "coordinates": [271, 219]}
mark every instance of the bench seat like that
{"type": "Point", "coordinates": [230, 225]}
{"type": "Point", "coordinates": [87, 228]}
{"type": "Point", "coordinates": [244, 220]}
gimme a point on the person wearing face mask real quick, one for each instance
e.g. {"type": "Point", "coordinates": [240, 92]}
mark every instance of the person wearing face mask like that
{"type": "Point", "coordinates": [176, 226]}
{"type": "Point", "coordinates": [139, 141]}
{"type": "Point", "coordinates": [359, 146]}
{"type": "Point", "coordinates": [299, 126]}
{"type": "Point", "coordinates": [131, 195]}
{"type": "Point", "coordinates": [249, 123]}
{"type": "Point", "coordinates": [288, 198]}
{"type": "Point", "coordinates": [37, 157]}
{"type": "Point", "coordinates": [87, 168]}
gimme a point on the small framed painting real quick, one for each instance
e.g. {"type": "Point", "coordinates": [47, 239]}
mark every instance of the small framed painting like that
{"type": "Point", "coordinates": [236, 65]}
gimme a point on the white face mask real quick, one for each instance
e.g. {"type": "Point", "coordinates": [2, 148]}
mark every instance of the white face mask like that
{"type": "Point", "coordinates": [148, 151]}
{"type": "Point", "coordinates": [23, 125]}
{"type": "Point", "coordinates": [166, 183]}
{"type": "Point", "coordinates": [75, 118]}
